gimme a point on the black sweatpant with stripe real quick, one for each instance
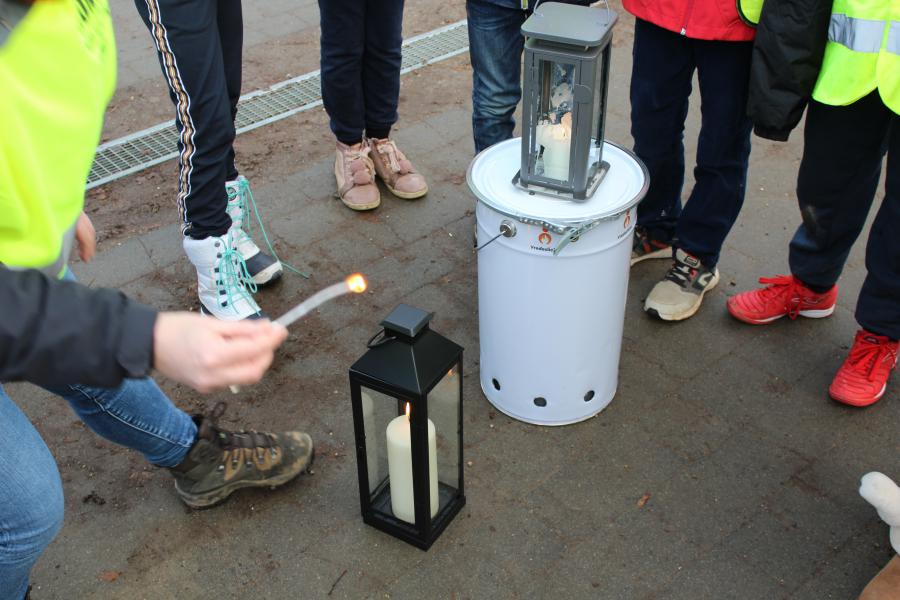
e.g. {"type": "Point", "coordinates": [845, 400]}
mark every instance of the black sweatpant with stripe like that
{"type": "Point", "coordinates": [199, 45]}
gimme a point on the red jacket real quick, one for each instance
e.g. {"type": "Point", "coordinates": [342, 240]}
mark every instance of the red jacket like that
{"type": "Point", "coordinates": [699, 19]}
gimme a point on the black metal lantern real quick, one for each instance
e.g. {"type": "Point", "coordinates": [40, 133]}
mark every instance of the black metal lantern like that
{"type": "Point", "coordinates": [406, 392]}
{"type": "Point", "coordinates": [567, 50]}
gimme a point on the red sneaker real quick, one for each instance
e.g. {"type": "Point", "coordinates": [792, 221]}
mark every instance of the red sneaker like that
{"type": "Point", "coordinates": [783, 295]}
{"type": "Point", "coordinates": [862, 378]}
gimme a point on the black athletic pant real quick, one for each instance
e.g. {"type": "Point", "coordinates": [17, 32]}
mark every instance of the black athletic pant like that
{"type": "Point", "coordinates": [360, 65]}
{"type": "Point", "coordinates": [199, 47]}
{"type": "Point", "coordinates": [844, 147]}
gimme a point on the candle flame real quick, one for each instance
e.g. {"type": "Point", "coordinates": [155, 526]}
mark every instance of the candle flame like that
{"type": "Point", "coordinates": [356, 283]}
{"type": "Point", "coordinates": [407, 411]}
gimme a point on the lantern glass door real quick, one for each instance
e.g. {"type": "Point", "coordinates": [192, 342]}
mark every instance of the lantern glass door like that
{"type": "Point", "coordinates": [552, 143]}
{"type": "Point", "coordinates": [378, 411]}
{"type": "Point", "coordinates": [443, 411]}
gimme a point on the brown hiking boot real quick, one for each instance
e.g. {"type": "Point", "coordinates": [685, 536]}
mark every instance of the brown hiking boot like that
{"type": "Point", "coordinates": [355, 176]}
{"type": "Point", "coordinates": [396, 171]}
{"type": "Point", "coordinates": [221, 461]}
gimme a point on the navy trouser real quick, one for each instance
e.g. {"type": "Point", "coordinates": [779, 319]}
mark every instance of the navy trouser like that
{"type": "Point", "coordinates": [199, 44]}
{"type": "Point", "coordinates": [664, 64]}
{"type": "Point", "coordinates": [360, 66]}
{"type": "Point", "coordinates": [843, 150]}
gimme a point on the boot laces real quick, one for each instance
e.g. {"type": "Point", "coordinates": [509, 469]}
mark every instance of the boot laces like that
{"type": "Point", "coordinates": [234, 277]}
{"type": "Point", "coordinates": [237, 445]}
{"type": "Point", "coordinates": [397, 162]}
{"type": "Point", "coordinates": [239, 197]}
{"type": "Point", "coordinates": [868, 352]}
{"type": "Point", "coordinates": [782, 287]}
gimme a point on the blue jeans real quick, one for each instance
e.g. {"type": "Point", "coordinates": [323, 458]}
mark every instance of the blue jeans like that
{"type": "Point", "coordinates": [495, 49]}
{"type": "Point", "coordinates": [136, 415]}
{"type": "Point", "coordinates": [664, 64]}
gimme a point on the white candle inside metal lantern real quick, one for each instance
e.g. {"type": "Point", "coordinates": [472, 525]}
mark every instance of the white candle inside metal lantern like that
{"type": "Point", "coordinates": [556, 138]}
{"type": "Point", "coordinates": [400, 467]}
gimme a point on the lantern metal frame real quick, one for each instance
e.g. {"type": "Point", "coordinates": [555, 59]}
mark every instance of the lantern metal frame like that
{"type": "Point", "coordinates": [437, 355]}
{"type": "Point", "coordinates": [576, 36]}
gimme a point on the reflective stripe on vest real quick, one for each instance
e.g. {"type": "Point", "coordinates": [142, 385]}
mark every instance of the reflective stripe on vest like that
{"type": "Point", "coordinates": [893, 41]}
{"type": "Point", "coordinates": [859, 35]}
{"type": "Point", "coordinates": [862, 53]}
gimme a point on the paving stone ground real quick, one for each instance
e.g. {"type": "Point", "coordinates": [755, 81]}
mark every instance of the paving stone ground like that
{"type": "Point", "coordinates": [720, 470]}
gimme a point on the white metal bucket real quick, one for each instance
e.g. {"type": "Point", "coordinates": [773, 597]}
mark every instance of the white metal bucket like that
{"type": "Point", "coordinates": [551, 297]}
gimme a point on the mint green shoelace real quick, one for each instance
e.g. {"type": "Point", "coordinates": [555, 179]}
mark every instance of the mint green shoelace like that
{"type": "Point", "coordinates": [238, 197]}
{"type": "Point", "coordinates": [234, 278]}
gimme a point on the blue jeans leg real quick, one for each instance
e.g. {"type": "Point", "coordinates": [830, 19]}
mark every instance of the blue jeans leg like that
{"type": "Point", "coordinates": [137, 415]}
{"type": "Point", "coordinates": [495, 49]}
{"type": "Point", "coordinates": [31, 499]}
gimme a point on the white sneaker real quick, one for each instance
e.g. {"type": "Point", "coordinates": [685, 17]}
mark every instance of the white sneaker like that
{"type": "Point", "coordinates": [263, 269]}
{"type": "Point", "coordinates": [224, 286]}
{"type": "Point", "coordinates": [679, 294]}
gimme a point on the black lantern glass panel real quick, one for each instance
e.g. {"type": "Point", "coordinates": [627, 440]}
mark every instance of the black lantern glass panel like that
{"type": "Point", "coordinates": [406, 393]}
{"type": "Point", "coordinates": [567, 52]}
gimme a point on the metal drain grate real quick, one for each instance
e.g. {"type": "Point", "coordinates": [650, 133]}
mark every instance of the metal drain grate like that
{"type": "Point", "coordinates": [149, 147]}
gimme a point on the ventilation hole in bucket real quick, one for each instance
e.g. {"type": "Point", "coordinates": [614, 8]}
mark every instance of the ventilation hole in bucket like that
{"type": "Point", "coordinates": [540, 401]}
{"type": "Point", "coordinates": [496, 384]}
{"type": "Point", "coordinates": [589, 396]}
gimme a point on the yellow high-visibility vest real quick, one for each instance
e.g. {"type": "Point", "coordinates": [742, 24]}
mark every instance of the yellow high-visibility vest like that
{"type": "Point", "coordinates": [749, 11]}
{"type": "Point", "coordinates": [57, 74]}
{"type": "Point", "coordinates": [862, 53]}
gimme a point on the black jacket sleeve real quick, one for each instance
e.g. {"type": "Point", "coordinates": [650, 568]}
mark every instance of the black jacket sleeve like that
{"type": "Point", "coordinates": [59, 332]}
{"type": "Point", "coordinates": [787, 56]}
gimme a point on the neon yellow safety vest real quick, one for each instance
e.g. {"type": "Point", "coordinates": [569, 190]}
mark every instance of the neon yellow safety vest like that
{"type": "Point", "coordinates": [749, 11]}
{"type": "Point", "coordinates": [862, 53]}
{"type": "Point", "coordinates": [57, 74]}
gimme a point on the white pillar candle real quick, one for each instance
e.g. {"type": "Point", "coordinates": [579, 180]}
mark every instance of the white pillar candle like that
{"type": "Point", "coordinates": [400, 468]}
{"type": "Point", "coordinates": [368, 410]}
{"type": "Point", "coordinates": [556, 139]}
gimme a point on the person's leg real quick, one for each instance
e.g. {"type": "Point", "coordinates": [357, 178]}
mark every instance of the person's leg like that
{"type": "Point", "coordinates": [31, 499]}
{"type": "Point", "coordinates": [381, 65]}
{"type": "Point", "coordinates": [723, 149]}
{"type": "Point", "coordinates": [495, 49]}
{"type": "Point", "coordinates": [190, 54]}
{"type": "Point", "coordinates": [137, 415]}
{"type": "Point", "coordinates": [878, 307]}
{"type": "Point", "coordinates": [663, 64]}
{"type": "Point", "coordinates": [842, 153]}
{"type": "Point", "coordinates": [342, 45]}
{"type": "Point", "coordinates": [230, 27]}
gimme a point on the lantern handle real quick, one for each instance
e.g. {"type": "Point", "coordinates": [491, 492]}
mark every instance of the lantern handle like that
{"type": "Point", "coordinates": [385, 338]}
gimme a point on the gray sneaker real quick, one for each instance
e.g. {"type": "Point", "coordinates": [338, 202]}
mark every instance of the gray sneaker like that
{"type": "Point", "coordinates": [679, 294]}
{"type": "Point", "coordinates": [221, 461]}
{"type": "Point", "coordinates": [644, 247]}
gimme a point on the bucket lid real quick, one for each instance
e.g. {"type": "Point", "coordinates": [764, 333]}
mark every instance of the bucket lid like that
{"type": "Point", "coordinates": [491, 173]}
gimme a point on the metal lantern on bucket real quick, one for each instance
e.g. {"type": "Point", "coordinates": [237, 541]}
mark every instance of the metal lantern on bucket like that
{"type": "Point", "coordinates": [553, 273]}
{"type": "Point", "coordinates": [406, 393]}
{"type": "Point", "coordinates": [567, 52]}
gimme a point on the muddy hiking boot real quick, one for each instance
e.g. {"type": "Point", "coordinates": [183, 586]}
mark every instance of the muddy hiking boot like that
{"type": "Point", "coordinates": [222, 461]}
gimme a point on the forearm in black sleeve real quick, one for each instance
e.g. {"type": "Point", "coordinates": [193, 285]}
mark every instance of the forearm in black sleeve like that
{"type": "Point", "coordinates": [59, 332]}
{"type": "Point", "coordinates": [787, 55]}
